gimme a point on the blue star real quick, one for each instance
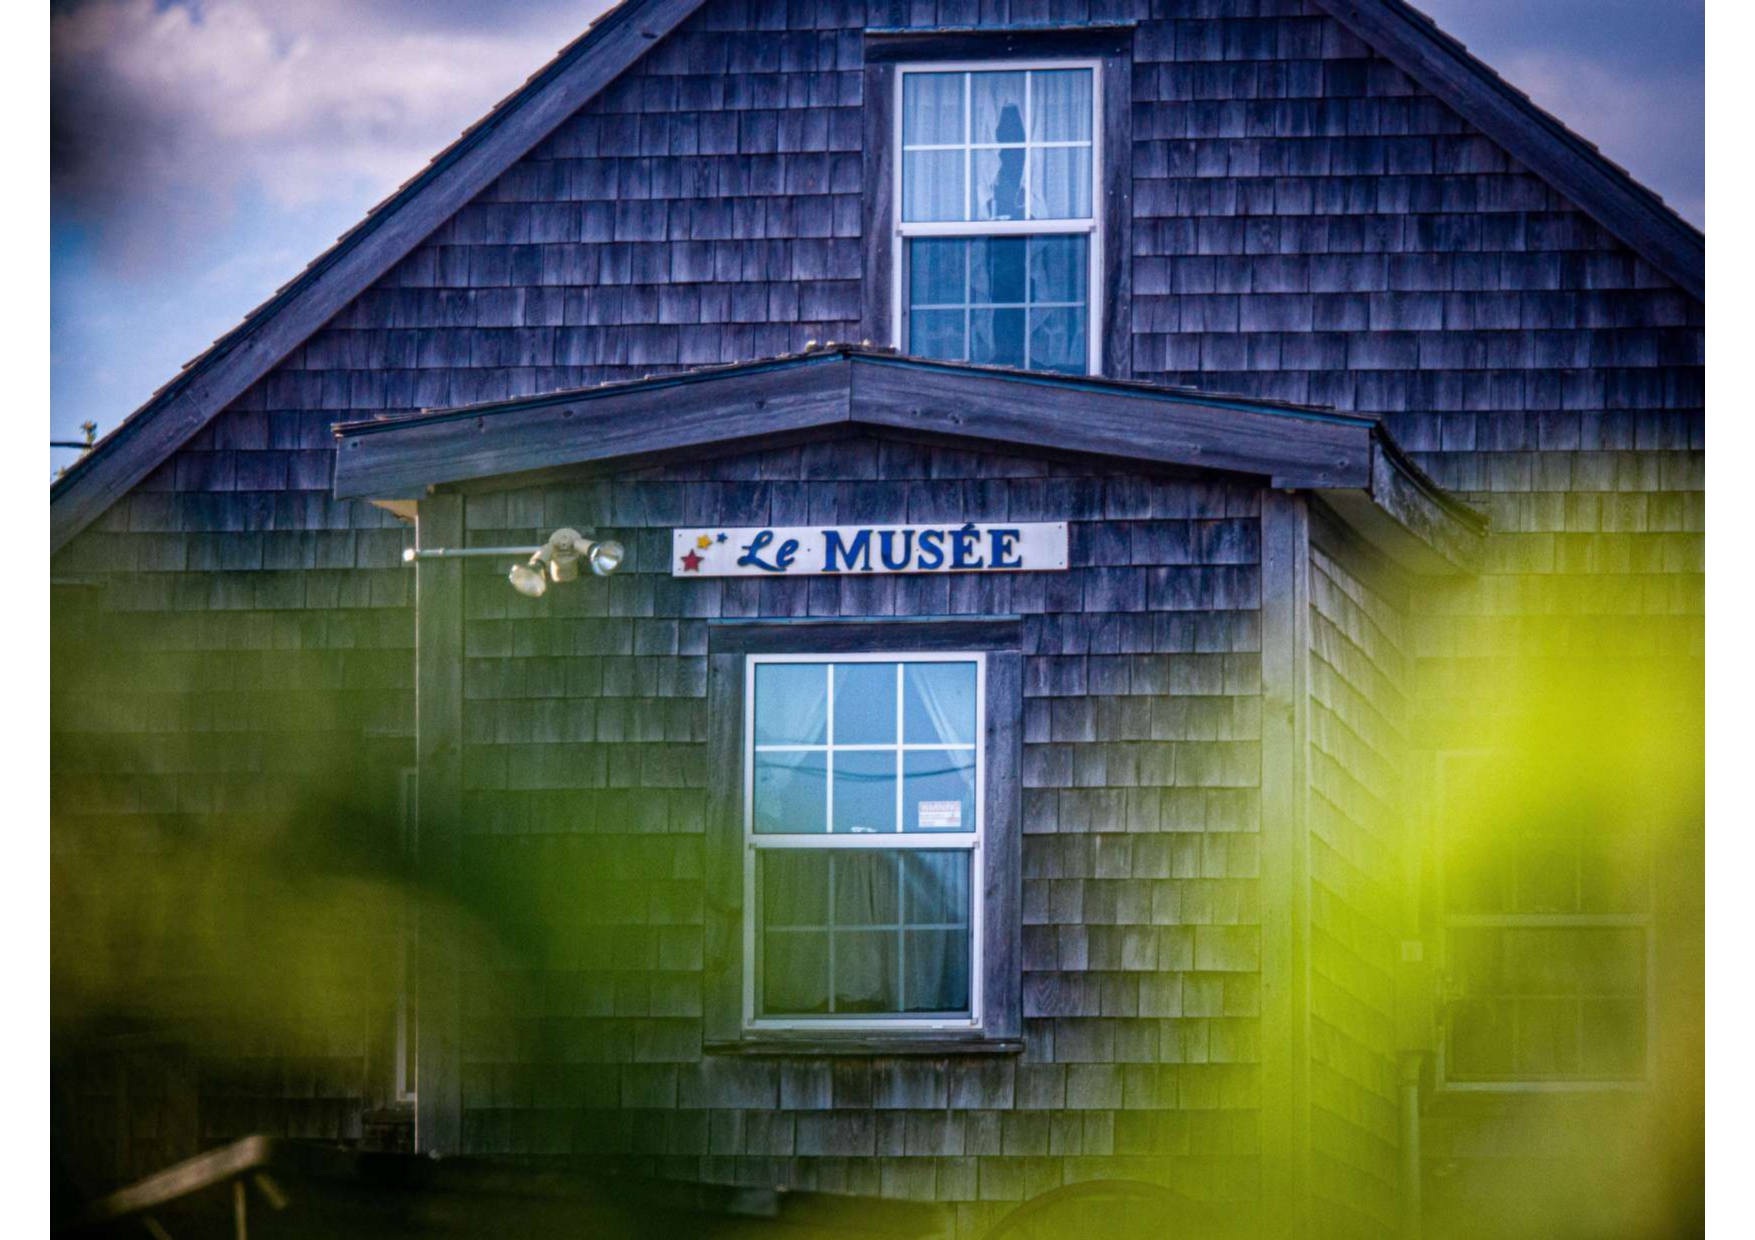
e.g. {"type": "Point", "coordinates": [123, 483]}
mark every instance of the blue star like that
{"type": "Point", "coordinates": [721, 537]}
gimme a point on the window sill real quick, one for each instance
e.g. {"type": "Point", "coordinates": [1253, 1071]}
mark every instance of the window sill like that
{"type": "Point", "coordinates": [852, 1044]}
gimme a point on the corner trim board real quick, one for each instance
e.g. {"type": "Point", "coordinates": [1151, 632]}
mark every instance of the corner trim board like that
{"type": "Point", "coordinates": [1285, 863]}
{"type": "Point", "coordinates": [438, 1119]}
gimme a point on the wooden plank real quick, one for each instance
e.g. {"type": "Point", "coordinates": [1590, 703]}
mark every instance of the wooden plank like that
{"type": "Point", "coordinates": [1135, 424]}
{"type": "Point", "coordinates": [933, 1046]}
{"type": "Point", "coordinates": [904, 636]}
{"type": "Point", "coordinates": [438, 1122]}
{"type": "Point", "coordinates": [877, 323]}
{"type": "Point", "coordinates": [256, 346]}
{"type": "Point", "coordinates": [594, 425]}
{"type": "Point", "coordinates": [1285, 863]}
{"type": "Point", "coordinates": [1002, 965]}
{"type": "Point", "coordinates": [1532, 137]}
{"type": "Point", "coordinates": [723, 963]}
{"type": "Point", "coordinates": [1117, 191]}
{"type": "Point", "coordinates": [890, 46]}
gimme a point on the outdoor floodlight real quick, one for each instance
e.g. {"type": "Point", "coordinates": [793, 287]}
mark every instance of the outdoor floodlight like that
{"type": "Point", "coordinates": [555, 560]}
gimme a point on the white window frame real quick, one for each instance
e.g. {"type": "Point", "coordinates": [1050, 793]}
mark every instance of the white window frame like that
{"type": "Point", "coordinates": [1448, 922]}
{"type": "Point", "coordinates": [971, 841]}
{"type": "Point", "coordinates": [1092, 227]}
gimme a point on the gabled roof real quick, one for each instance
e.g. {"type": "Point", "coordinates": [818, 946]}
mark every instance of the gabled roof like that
{"type": "Point", "coordinates": [219, 376]}
{"type": "Point", "coordinates": [1349, 459]}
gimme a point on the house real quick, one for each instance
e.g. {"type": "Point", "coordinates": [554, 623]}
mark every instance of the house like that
{"type": "Point", "coordinates": [1110, 494]}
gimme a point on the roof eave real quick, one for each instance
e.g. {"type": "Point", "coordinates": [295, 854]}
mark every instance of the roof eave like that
{"type": "Point", "coordinates": [1350, 461]}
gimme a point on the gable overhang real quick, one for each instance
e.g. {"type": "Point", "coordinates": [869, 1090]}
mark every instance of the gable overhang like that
{"type": "Point", "coordinates": [1349, 460]}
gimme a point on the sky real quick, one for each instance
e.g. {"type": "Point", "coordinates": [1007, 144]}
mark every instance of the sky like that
{"type": "Point", "coordinates": [203, 151]}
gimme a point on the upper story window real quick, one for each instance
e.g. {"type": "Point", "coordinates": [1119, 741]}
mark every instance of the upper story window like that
{"type": "Point", "coordinates": [1000, 238]}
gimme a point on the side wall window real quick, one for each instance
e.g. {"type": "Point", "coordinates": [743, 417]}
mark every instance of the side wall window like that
{"type": "Point", "coordinates": [864, 857]}
{"type": "Point", "coordinates": [1547, 938]}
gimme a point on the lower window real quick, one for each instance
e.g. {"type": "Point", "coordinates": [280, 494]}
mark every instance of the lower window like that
{"type": "Point", "coordinates": [863, 824]}
{"type": "Point", "coordinates": [1000, 301]}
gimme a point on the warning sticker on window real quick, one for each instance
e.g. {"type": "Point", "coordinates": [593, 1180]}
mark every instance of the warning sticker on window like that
{"type": "Point", "coordinates": [941, 815]}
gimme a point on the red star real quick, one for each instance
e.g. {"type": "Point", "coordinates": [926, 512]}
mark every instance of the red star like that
{"type": "Point", "coordinates": [692, 562]}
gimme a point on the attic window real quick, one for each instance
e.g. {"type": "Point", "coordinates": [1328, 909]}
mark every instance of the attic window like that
{"type": "Point", "coordinates": [1000, 243]}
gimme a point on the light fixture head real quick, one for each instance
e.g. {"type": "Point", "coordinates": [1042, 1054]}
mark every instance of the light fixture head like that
{"type": "Point", "coordinates": [527, 579]}
{"type": "Point", "coordinates": [605, 557]}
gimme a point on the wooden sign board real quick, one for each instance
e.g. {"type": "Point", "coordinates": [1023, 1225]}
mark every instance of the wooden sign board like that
{"type": "Point", "coordinates": [846, 550]}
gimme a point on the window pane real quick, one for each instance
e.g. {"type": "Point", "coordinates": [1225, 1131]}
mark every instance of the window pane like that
{"type": "Point", "coordinates": [935, 888]}
{"type": "Point", "coordinates": [997, 101]}
{"type": "Point", "coordinates": [865, 888]}
{"type": "Point", "coordinates": [936, 333]}
{"type": "Point", "coordinates": [1060, 183]}
{"type": "Point", "coordinates": [791, 793]}
{"type": "Point", "coordinates": [932, 185]}
{"type": "Point", "coordinates": [1614, 874]}
{"type": "Point", "coordinates": [937, 971]}
{"type": "Point", "coordinates": [935, 272]}
{"type": "Point", "coordinates": [1057, 340]}
{"type": "Point", "coordinates": [1480, 1040]}
{"type": "Point", "coordinates": [1540, 1003]}
{"type": "Point", "coordinates": [865, 971]}
{"type": "Point", "coordinates": [938, 792]}
{"type": "Point", "coordinates": [865, 790]}
{"type": "Point", "coordinates": [996, 270]}
{"type": "Point", "coordinates": [795, 888]}
{"type": "Point", "coordinates": [1060, 105]}
{"type": "Point", "coordinates": [1057, 269]}
{"type": "Point", "coordinates": [792, 703]}
{"type": "Point", "coordinates": [865, 703]}
{"type": "Point", "coordinates": [1547, 1037]}
{"type": "Point", "coordinates": [999, 184]}
{"type": "Point", "coordinates": [996, 337]}
{"type": "Point", "coordinates": [795, 973]}
{"type": "Point", "coordinates": [1547, 874]}
{"type": "Point", "coordinates": [938, 703]}
{"type": "Point", "coordinates": [932, 108]}
{"type": "Point", "coordinates": [1612, 1041]}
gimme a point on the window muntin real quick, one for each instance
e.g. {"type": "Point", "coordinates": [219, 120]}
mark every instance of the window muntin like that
{"type": "Point", "coordinates": [1547, 945]}
{"type": "Point", "coordinates": [863, 813]}
{"type": "Point", "coordinates": [997, 144]}
{"type": "Point", "coordinates": [1003, 158]}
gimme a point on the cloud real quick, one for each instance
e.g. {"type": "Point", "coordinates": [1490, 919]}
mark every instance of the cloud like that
{"type": "Point", "coordinates": [165, 115]}
{"type": "Point", "coordinates": [1624, 74]}
{"type": "Point", "coordinates": [1644, 124]}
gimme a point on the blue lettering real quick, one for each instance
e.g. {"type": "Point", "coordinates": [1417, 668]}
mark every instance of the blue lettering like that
{"type": "Point", "coordinates": [931, 543]}
{"type": "Point", "coordinates": [893, 563]}
{"type": "Point", "coordinates": [963, 542]}
{"type": "Point", "coordinates": [860, 548]}
{"type": "Point", "coordinates": [1003, 544]}
{"type": "Point", "coordinates": [752, 557]}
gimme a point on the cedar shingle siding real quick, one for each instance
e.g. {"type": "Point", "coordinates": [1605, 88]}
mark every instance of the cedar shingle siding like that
{"type": "Point", "coordinates": [1141, 763]}
{"type": "Point", "coordinates": [1308, 225]}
